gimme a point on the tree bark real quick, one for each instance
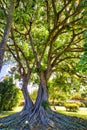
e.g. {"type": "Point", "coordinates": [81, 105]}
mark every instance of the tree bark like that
{"type": "Point", "coordinates": [28, 104]}
{"type": "Point", "coordinates": [42, 92]}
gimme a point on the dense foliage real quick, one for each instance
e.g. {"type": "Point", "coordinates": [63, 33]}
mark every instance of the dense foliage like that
{"type": "Point", "coordinates": [9, 94]}
{"type": "Point", "coordinates": [72, 107]}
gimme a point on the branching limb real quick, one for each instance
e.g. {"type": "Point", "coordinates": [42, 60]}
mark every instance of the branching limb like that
{"type": "Point", "coordinates": [62, 52]}
{"type": "Point", "coordinates": [32, 45]}
{"type": "Point", "coordinates": [48, 14]}
{"type": "Point", "coordinates": [21, 68]}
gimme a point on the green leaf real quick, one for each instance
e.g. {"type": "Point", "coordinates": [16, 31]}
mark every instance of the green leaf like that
{"type": "Point", "coordinates": [17, 76]}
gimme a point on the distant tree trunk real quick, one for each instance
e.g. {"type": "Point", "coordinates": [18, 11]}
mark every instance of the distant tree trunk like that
{"type": "Point", "coordinates": [28, 104]}
{"type": "Point", "coordinates": [6, 33]}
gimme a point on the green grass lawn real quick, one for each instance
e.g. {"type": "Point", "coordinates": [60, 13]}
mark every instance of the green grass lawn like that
{"type": "Point", "coordinates": [6, 113]}
{"type": "Point", "coordinates": [77, 114]}
{"type": "Point", "coordinates": [82, 113]}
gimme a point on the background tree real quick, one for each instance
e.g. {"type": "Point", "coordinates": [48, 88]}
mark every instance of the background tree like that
{"type": "Point", "coordinates": [64, 85]}
{"type": "Point", "coordinates": [7, 12]}
{"type": "Point", "coordinates": [9, 94]}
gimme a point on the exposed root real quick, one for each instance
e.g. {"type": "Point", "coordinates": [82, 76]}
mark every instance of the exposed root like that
{"type": "Point", "coordinates": [42, 120]}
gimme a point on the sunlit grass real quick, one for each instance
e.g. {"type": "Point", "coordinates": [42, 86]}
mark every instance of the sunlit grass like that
{"type": "Point", "coordinates": [80, 113]}
{"type": "Point", "coordinates": [6, 113]}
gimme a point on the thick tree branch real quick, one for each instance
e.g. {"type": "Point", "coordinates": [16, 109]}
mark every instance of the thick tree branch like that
{"type": "Point", "coordinates": [55, 12]}
{"type": "Point", "coordinates": [63, 51]}
{"type": "Point", "coordinates": [16, 58]}
{"type": "Point", "coordinates": [48, 14]}
{"type": "Point", "coordinates": [22, 70]}
{"type": "Point", "coordinates": [57, 30]}
{"type": "Point", "coordinates": [67, 58]}
{"type": "Point", "coordinates": [63, 60]}
{"type": "Point", "coordinates": [32, 45]}
{"type": "Point", "coordinates": [76, 50]}
{"type": "Point", "coordinates": [65, 5]}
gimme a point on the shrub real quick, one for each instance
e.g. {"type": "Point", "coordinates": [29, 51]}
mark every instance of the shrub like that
{"type": "Point", "coordinates": [57, 103]}
{"type": "Point", "coordinates": [72, 107]}
{"type": "Point", "coordinates": [81, 104]}
{"type": "Point", "coordinates": [85, 98]}
{"type": "Point", "coordinates": [60, 103]}
{"type": "Point", "coordinates": [77, 96]}
{"type": "Point", "coordinates": [85, 104]}
{"type": "Point", "coordinates": [9, 94]}
{"type": "Point", "coordinates": [84, 95]}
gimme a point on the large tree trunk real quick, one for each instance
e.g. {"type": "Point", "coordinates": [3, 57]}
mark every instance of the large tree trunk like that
{"type": "Point", "coordinates": [41, 106]}
{"type": "Point", "coordinates": [42, 92]}
{"type": "Point", "coordinates": [28, 104]}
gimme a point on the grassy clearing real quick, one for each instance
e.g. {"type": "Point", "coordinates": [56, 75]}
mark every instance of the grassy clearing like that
{"type": "Point", "coordinates": [77, 114]}
{"type": "Point", "coordinates": [82, 113]}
